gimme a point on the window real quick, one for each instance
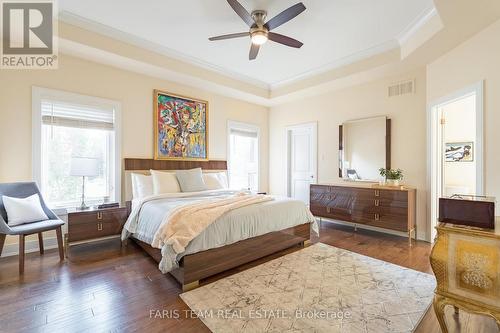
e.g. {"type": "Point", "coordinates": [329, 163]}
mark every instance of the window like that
{"type": "Point", "coordinates": [243, 156]}
{"type": "Point", "coordinates": [68, 125]}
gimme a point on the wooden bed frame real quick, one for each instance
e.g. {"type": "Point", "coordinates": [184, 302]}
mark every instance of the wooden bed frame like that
{"type": "Point", "coordinates": [194, 267]}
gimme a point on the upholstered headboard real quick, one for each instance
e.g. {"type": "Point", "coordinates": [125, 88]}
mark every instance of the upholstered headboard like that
{"type": "Point", "coordinates": [143, 165]}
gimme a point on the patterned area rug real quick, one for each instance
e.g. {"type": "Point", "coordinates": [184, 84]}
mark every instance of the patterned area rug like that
{"type": "Point", "coordinates": [317, 289]}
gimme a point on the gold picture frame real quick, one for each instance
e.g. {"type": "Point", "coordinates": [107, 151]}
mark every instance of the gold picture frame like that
{"type": "Point", "coordinates": [172, 138]}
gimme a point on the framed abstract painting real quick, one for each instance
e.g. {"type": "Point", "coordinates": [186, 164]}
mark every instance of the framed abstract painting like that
{"type": "Point", "coordinates": [180, 127]}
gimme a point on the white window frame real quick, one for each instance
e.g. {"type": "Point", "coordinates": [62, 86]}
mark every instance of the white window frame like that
{"type": "Point", "coordinates": [39, 94]}
{"type": "Point", "coordinates": [244, 126]}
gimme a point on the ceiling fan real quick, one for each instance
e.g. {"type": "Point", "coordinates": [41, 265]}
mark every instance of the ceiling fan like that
{"type": "Point", "coordinates": [260, 31]}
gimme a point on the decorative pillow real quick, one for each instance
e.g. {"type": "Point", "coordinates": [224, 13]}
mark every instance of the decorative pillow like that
{"type": "Point", "coordinates": [142, 185]}
{"type": "Point", "coordinates": [23, 210]}
{"type": "Point", "coordinates": [164, 182]}
{"type": "Point", "coordinates": [191, 180]}
{"type": "Point", "coordinates": [212, 181]}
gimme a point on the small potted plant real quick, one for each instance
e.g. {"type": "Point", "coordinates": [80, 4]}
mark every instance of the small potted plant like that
{"type": "Point", "coordinates": [392, 176]}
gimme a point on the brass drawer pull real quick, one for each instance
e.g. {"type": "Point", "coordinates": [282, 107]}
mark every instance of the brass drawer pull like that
{"type": "Point", "coordinates": [99, 226]}
{"type": "Point", "coordinates": [377, 193]}
{"type": "Point", "coordinates": [328, 209]}
{"type": "Point", "coordinates": [377, 202]}
{"type": "Point", "coordinates": [377, 217]}
{"type": "Point", "coordinates": [99, 215]}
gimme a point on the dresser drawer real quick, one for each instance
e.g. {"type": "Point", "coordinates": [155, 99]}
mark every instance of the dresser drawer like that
{"type": "Point", "coordinates": [392, 195]}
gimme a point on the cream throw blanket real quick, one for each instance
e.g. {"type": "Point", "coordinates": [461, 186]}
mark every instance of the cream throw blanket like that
{"type": "Point", "coordinates": [184, 223]}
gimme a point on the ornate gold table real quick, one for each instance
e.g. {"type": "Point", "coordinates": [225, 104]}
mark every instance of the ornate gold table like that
{"type": "Point", "coordinates": [466, 263]}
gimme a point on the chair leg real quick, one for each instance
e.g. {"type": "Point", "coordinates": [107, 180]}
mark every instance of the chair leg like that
{"type": "Point", "coordinates": [40, 242]}
{"type": "Point", "coordinates": [60, 243]}
{"type": "Point", "coordinates": [2, 241]}
{"type": "Point", "coordinates": [21, 254]}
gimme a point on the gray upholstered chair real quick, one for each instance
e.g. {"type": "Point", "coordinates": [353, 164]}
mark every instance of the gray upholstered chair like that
{"type": "Point", "coordinates": [23, 190]}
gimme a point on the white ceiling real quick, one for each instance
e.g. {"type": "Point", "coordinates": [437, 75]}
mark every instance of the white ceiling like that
{"type": "Point", "coordinates": [333, 31]}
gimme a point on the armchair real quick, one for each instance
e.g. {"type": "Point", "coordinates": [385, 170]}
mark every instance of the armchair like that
{"type": "Point", "coordinates": [22, 190]}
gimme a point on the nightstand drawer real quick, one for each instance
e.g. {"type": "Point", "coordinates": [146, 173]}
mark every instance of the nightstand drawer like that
{"type": "Point", "coordinates": [96, 224]}
{"type": "Point", "coordinates": [94, 229]}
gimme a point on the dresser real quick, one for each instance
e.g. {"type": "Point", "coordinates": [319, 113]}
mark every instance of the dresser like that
{"type": "Point", "coordinates": [466, 263]}
{"type": "Point", "coordinates": [94, 224]}
{"type": "Point", "coordinates": [390, 208]}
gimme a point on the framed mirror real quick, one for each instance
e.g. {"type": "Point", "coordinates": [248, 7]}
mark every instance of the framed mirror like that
{"type": "Point", "coordinates": [364, 148]}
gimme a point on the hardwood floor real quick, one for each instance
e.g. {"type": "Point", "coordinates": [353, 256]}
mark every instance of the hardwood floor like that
{"type": "Point", "coordinates": [103, 287]}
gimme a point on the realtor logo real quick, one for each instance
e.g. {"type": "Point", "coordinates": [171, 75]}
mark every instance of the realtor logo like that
{"type": "Point", "coordinates": [28, 40]}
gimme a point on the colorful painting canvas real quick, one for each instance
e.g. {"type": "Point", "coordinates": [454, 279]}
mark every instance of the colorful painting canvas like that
{"type": "Point", "coordinates": [181, 130]}
{"type": "Point", "coordinates": [459, 152]}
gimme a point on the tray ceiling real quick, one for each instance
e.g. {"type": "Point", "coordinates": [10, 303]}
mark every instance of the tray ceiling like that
{"type": "Point", "coordinates": [333, 31]}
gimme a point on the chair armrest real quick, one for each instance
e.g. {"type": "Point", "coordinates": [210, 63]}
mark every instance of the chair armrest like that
{"type": "Point", "coordinates": [4, 227]}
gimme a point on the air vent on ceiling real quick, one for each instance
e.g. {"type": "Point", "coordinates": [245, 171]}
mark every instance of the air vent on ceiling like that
{"type": "Point", "coordinates": [402, 88]}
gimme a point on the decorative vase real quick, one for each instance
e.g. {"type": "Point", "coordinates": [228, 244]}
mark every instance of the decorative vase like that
{"type": "Point", "coordinates": [392, 182]}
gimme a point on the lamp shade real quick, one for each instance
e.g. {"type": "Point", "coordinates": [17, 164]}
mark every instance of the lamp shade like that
{"type": "Point", "coordinates": [84, 166]}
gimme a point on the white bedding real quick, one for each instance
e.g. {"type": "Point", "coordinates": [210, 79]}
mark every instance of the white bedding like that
{"type": "Point", "coordinates": [242, 223]}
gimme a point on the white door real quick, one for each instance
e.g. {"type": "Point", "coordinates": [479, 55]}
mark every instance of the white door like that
{"type": "Point", "coordinates": [302, 160]}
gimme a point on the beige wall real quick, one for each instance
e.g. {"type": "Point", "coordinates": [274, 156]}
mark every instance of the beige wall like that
{"type": "Point", "coordinates": [134, 91]}
{"type": "Point", "coordinates": [330, 110]}
{"type": "Point", "coordinates": [475, 60]}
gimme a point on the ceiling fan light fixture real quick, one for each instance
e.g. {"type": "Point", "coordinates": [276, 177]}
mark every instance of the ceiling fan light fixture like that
{"type": "Point", "coordinates": [259, 37]}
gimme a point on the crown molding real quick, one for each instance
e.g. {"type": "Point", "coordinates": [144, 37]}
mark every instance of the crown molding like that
{"type": "Point", "coordinates": [416, 25]}
{"type": "Point", "coordinates": [134, 40]}
{"type": "Point", "coordinates": [112, 59]}
{"type": "Point", "coordinates": [350, 59]}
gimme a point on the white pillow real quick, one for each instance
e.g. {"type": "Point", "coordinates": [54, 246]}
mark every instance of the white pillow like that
{"type": "Point", "coordinates": [142, 185]}
{"type": "Point", "coordinates": [23, 210]}
{"type": "Point", "coordinates": [164, 182]}
{"type": "Point", "coordinates": [212, 181]}
{"type": "Point", "coordinates": [223, 178]}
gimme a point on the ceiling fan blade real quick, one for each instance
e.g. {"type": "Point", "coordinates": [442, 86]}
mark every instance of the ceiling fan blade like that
{"type": "Point", "coordinates": [285, 40]}
{"type": "Point", "coordinates": [254, 50]}
{"type": "Point", "coordinates": [229, 36]}
{"type": "Point", "coordinates": [242, 12]}
{"type": "Point", "coordinates": [285, 16]}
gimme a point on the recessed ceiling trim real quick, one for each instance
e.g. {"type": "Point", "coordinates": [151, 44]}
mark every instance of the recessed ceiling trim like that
{"type": "Point", "coordinates": [416, 25]}
{"type": "Point", "coordinates": [119, 35]}
{"type": "Point", "coordinates": [111, 59]}
{"type": "Point", "coordinates": [126, 37]}
{"type": "Point", "coordinates": [352, 58]}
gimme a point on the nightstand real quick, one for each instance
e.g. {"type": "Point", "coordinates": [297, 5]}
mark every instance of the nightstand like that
{"type": "Point", "coordinates": [94, 224]}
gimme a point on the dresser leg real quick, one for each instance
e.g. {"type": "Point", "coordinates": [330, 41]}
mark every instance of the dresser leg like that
{"type": "Point", "coordinates": [439, 304]}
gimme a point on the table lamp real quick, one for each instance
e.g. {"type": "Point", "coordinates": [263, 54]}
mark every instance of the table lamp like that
{"type": "Point", "coordinates": [84, 167]}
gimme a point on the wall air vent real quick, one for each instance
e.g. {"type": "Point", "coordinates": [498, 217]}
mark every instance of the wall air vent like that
{"type": "Point", "coordinates": [402, 88]}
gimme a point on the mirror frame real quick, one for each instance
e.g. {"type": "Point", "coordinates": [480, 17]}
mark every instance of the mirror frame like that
{"type": "Point", "coordinates": [387, 147]}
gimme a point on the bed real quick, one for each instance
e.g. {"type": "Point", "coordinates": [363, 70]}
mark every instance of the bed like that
{"type": "Point", "coordinates": [238, 237]}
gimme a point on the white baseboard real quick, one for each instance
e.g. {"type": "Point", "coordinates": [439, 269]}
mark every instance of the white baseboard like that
{"type": "Point", "coordinates": [30, 246]}
{"type": "Point", "coordinates": [368, 227]}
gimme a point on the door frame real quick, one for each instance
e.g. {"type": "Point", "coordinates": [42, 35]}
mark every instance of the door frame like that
{"type": "Point", "coordinates": [314, 130]}
{"type": "Point", "coordinates": [432, 154]}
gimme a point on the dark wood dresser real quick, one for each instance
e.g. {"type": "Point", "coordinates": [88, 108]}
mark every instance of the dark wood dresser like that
{"type": "Point", "coordinates": [377, 206]}
{"type": "Point", "coordinates": [94, 224]}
